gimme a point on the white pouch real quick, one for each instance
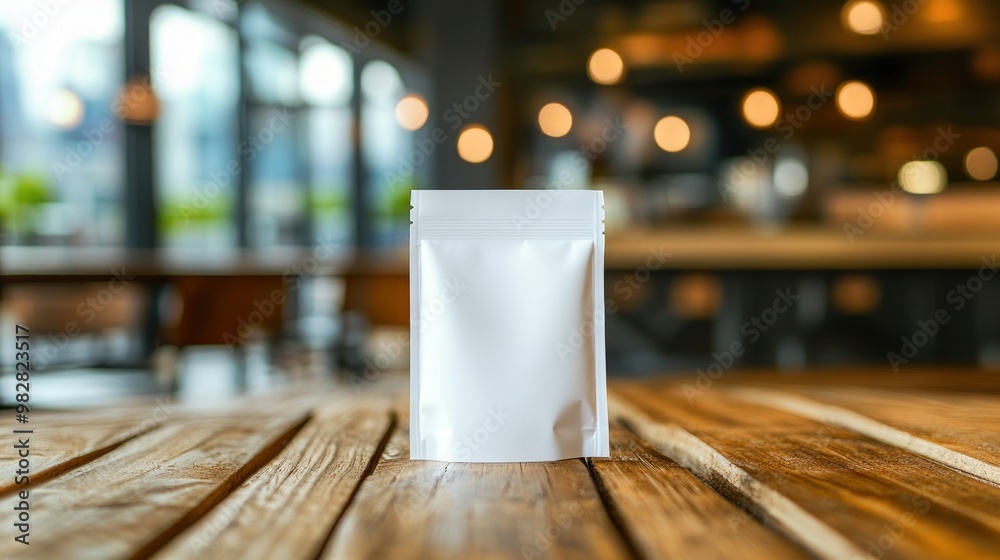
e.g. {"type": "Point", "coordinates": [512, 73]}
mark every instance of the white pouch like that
{"type": "Point", "coordinates": [507, 350]}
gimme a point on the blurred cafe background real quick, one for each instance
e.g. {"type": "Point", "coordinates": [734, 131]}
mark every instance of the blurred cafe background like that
{"type": "Point", "coordinates": [212, 196]}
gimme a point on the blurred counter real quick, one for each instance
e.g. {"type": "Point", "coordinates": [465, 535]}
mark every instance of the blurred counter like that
{"type": "Point", "coordinates": [676, 249]}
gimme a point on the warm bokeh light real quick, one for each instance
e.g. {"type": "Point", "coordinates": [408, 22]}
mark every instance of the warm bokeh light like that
{"type": "Point", "coordinates": [605, 67]}
{"type": "Point", "coordinates": [138, 103]}
{"type": "Point", "coordinates": [761, 107]}
{"type": "Point", "coordinates": [475, 144]}
{"type": "Point", "coordinates": [863, 16]}
{"type": "Point", "coordinates": [555, 120]}
{"type": "Point", "coordinates": [672, 134]}
{"type": "Point", "coordinates": [981, 163]}
{"type": "Point", "coordinates": [411, 112]}
{"type": "Point", "coordinates": [923, 177]}
{"type": "Point", "coordinates": [65, 109]}
{"type": "Point", "coordinates": [855, 100]}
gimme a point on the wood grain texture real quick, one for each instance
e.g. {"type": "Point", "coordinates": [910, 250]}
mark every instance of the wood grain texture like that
{"type": "Point", "coordinates": [967, 423]}
{"type": "Point", "coordinates": [130, 501]}
{"type": "Point", "coordinates": [62, 442]}
{"type": "Point", "coordinates": [932, 440]}
{"type": "Point", "coordinates": [669, 513]}
{"type": "Point", "coordinates": [288, 508]}
{"type": "Point", "coordinates": [430, 509]}
{"type": "Point", "coordinates": [730, 479]}
{"type": "Point", "coordinates": [886, 502]}
{"type": "Point", "coordinates": [923, 378]}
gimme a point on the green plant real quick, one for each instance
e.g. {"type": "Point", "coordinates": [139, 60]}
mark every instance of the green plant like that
{"type": "Point", "coordinates": [20, 198]}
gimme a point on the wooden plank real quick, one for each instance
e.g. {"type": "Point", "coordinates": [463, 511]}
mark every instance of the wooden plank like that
{"type": "Point", "coordinates": [130, 501]}
{"type": "Point", "coordinates": [924, 378]}
{"type": "Point", "coordinates": [939, 440]}
{"type": "Point", "coordinates": [288, 508]}
{"type": "Point", "coordinates": [967, 423]}
{"type": "Point", "coordinates": [730, 479]}
{"type": "Point", "coordinates": [430, 509]}
{"type": "Point", "coordinates": [62, 442]}
{"type": "Point", "coordinates": [668, 513]}
{"type": "Point", "coordinates": [824, 485]}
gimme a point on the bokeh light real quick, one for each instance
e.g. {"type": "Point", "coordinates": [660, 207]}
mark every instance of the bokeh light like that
{"type": "Point", "coordinates": [65, 109]}
{"type": "Point", "coordinates": [672, 134]}
{"type": "Point", "coordinates": [855, 100]}
{"type": "Point", "coordinates": [475, 144]}
{"type": "Point", "coordinates": [411, 112]}
{"type": "Point", "coordinates": [761, 107]}
{"type": "Point", "coordinates": [923, 177]}
{"type": "Point", "coordinates": [791, 177]}
{"type": "Point", "coordinates": [555, 120]}
{"type": "Point", "coordinates": [981, 163]}
{"type": "Point", "coordinates": [863, 16]}
{"type": "Point", "coordinates": [605, 67]}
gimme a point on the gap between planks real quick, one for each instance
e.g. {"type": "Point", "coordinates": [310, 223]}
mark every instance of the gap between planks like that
{"type": "Point", "coordinates": [865, 426]}
{"type": "Point", "coordinates": [616, 519]}
{"type": "Point", "coordinates": [231, 482]}
{"type": "Point", "coordinates": [102, 445]}
{"type": "Point", "coordinates": [372, 465]}
{"type": "Point", "coordinates": [716, 470]}
{"type": "Point", "coordinates": [289, 507]}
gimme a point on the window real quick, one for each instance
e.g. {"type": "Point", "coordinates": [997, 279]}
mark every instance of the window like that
{"type": "Point", "coordinates": [299, 103]}
{"type": "Point", "coordinates": [241, 95]}
{"type": "Point", "coordinates": [61, 147]}
{"type": "Point", "coordinates": [326, 82]}
{"type": "Point", "coordinates": [195, 74]}
{"type": "Point", "coordinates": [390, 175]}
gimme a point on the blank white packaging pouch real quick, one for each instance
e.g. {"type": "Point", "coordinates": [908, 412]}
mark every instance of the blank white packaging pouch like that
{"type": "Point", "coordinates": [507, 326]}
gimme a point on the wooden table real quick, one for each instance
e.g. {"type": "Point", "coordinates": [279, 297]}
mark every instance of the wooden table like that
{"type": "Point", "coordinates": [839, 464]}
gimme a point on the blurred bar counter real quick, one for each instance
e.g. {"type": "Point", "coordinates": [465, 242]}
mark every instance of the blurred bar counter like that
{"type": "Point", "coordinates": [689, 248]}
{"type": "Point", "coordinates": [679, 294]}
